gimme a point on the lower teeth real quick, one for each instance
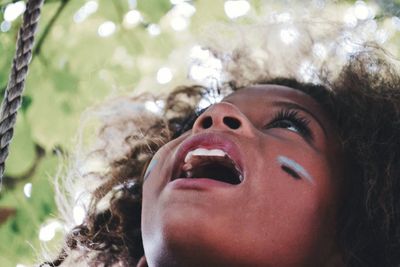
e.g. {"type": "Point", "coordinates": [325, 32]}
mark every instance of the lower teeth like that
{"type": "Point", "coordinates": [187, 167]}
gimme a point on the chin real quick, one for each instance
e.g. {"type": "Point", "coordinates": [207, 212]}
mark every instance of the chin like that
{"type": "Point", "coordinates": [183, 239]}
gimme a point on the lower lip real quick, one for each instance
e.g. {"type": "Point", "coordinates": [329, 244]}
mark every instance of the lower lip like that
{"type": "Point", "coordinates": [197, 184]}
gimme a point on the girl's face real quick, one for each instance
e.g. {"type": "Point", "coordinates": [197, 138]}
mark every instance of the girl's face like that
{"type": "Point", "coordinates": [254, 183]}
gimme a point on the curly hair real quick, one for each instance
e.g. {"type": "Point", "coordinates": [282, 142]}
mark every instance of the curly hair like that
{"type": "Point", "coordinates": [364, 103]}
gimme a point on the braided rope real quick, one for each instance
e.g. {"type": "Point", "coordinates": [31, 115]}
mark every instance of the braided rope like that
{"type": "Point", "coordinates": [13, 94]}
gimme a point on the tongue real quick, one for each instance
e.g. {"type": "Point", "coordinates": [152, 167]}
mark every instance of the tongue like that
{"type": "Point", "coordinates": [196, 161]}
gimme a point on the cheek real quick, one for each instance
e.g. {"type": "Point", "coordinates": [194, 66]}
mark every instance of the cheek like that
{"type": "Point", "coordinates": [161, 164]}
{"type": "Point", "coordinates": [294, 218]}
{"type": "Point", "coordinates": [157, 175]}
{"type": "Point", "coordinates": [291, 223]}
{"type": "Point", "coordinates": [294, 203]}
{"type": "Point", "coordinates": [301, 201]}
{"type": "Point", "coordinates": [155, 178]}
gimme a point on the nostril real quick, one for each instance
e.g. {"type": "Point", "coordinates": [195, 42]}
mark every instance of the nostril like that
{"type": "Point", "coordinates": [232, 123]}
{"type": "Point", "coordinates": [207, 122]}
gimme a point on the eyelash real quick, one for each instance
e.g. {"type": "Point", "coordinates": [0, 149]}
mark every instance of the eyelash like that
{"type": "Point", "coordinates": [286, 118]}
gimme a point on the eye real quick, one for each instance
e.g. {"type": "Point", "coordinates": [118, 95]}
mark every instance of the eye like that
{"type": "Point", "coordinates": [286, 124]}
{"type": "Point", "coordinates": [292, 121]}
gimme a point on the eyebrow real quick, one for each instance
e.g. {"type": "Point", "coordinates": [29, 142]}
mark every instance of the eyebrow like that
{"type": "Point", "coordinates": [291, 105]}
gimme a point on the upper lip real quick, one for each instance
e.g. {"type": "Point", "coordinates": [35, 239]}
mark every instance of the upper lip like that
{"type": "Point", "coordinates": [207, 141]}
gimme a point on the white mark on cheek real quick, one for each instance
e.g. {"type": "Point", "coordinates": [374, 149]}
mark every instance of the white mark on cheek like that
{"type": "Point", "coordinates": [296, 167]}
{"type": "Point", "coordinates": [151, 166]}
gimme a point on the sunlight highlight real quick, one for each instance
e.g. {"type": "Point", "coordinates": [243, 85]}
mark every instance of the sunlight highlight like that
{"type": "Point", "coordinates": [164, 75]}
{"type": "Point", "coordinates": [13, 11]}
{"type": "Point", "coordinates": [106, 29]}
{"type": "Point", "coordinates": [236, 8]}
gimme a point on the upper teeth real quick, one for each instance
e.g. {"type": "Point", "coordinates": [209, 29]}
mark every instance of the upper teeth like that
{"type": "Point", "coordinates": [205, 152]}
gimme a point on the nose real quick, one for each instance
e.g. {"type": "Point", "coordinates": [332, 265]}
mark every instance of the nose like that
{"type": "Point", "coordinates": [224, 117]}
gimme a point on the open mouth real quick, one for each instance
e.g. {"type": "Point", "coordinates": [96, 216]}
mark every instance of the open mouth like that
{"type": "Point", "coordinates": [212, 164]}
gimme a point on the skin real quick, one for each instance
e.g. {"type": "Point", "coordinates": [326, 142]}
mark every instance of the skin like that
{"type": "Point", "coordinates": [270, 219]}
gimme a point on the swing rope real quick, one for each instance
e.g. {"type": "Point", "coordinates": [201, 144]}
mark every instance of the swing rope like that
{"type": "Point", "coordinates": [13, 94]}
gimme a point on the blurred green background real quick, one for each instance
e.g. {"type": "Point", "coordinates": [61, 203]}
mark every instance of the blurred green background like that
{"type": "Point", "coordinates": [87, 50]}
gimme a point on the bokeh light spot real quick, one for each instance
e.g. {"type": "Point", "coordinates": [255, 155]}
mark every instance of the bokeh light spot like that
{"type": "Point", "coordinates": [154, 29]}
{"type": "Point", "coordinates": [132, 18]}
{"type": "Point", "coordinates": [79, 214]}
{"type": "Point", "coordinates": [13, 11]}
{"type": "Point", "coordinates": [236, 8]}
{"type": "Point", "coordinates": [48, 231]}
{"type": "Point", "coordinates": [85, 11]}
{"type": "Point", "coordinates": [5, 26]}
{"type": "Point", "coordinates": [361, 10]}
{"type": "Point", "coordinates": [28, 190]}
{"type": "Point", "coordinates": [179, 23]}
{"type": "Point", "coordinates": [164, 75]}
{"type": "Point", "coordinates": [106, 29]}
{"type": "Point", "coordinates": [155, 106]}
{"type": "Point", "coordinates": [289, 35]}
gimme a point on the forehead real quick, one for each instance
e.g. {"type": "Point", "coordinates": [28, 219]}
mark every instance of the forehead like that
{"type": "Point", "coordinates": [264, 94]}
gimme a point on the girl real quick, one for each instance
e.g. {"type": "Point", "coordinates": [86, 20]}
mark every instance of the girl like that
{"type": "Point", "coordinates": [281, 172]}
